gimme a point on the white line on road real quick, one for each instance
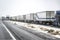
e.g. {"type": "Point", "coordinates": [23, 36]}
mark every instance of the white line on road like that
{"type": "Point", "coordinates": [9, 32]}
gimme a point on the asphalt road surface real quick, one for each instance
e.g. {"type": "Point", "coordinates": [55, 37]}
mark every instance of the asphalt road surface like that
{"type": "Point", "coordinates": [4, 35]}
{"type": "Point", "coordinates": [22, 33]}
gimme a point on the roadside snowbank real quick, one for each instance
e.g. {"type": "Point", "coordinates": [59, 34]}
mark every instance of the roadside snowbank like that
{"type": "Point", "coordinates": [41, 28]}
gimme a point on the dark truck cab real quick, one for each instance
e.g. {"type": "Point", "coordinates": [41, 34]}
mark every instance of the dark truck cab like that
{"type": "Point", "coordinates": [57, 19]}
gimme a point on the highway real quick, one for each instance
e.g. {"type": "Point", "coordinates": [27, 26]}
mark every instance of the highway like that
{"type": "Point", "coordinates": [21, 33]}
{"type": "Point", "coordinates": [4, 35]}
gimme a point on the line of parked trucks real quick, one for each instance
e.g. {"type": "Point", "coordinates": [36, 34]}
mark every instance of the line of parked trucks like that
{"type": "Point", "coordinates": [44, 17]}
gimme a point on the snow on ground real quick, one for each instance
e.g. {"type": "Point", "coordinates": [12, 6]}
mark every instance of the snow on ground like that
{"type": "Point", "coordinates": [40, 28]}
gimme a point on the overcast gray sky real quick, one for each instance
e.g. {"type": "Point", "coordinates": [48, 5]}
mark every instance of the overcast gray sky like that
{"type": "Point", "coordinates": [20, 7]}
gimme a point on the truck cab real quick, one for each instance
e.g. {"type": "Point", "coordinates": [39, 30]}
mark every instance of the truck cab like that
{"type": "Point", "coordinates": [57, 19]}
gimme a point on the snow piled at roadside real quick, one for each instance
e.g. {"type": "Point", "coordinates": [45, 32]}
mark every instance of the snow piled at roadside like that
{"type": "Point", "coordinates": [40, 28]}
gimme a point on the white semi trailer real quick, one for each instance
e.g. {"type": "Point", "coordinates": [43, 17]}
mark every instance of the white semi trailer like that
{"type": "Point", "coordinates": [29, 17]}
{"type": "Point", "coordinates": [41, 17]}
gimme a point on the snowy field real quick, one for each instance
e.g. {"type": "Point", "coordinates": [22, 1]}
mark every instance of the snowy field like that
{"type": "Point", "coordinates": [40, 28]}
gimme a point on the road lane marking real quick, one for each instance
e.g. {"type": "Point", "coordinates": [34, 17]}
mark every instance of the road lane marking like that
{"type": "Point", "coordinates": [9, 32]}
